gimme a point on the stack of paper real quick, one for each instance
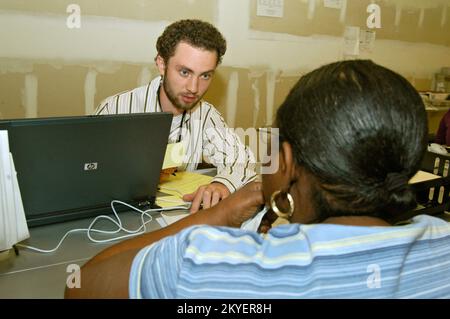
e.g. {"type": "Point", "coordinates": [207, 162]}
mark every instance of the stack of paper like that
{"type": "Point", "coordinates": [13, 225]}
{"type": "Point", "coordinates": [177, 186]}
{"type": "Point", "coordinates": [170, 201]}
{"type": "Point", "coordinates": [184, 183]}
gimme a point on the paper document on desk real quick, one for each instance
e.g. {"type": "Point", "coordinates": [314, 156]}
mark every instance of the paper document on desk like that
{"type": "Point", "coordinates": [184, 183]}
{"type": "Point", "coordinates": [174, 155]}
{"type": "Point", "coordinates": [177, 186]}
{"type": "Point", "coordinates": [172, 217]}
{"type": "Point", "coordinates": [13, 225]}
{"type": "Point", "coordinates": [170, 201]}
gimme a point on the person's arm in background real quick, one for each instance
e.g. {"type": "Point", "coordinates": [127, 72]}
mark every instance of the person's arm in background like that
{"type": "Point", "coordinates": [443, 132]}
{"type": "Point", "coordinates": [447, 130]}
{"type": "Point", "coordinates": [107, 274]}
{"type": "Point", "coordinates": [234, 161]}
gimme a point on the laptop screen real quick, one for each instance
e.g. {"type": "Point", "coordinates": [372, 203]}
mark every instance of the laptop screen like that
{"type": "Point", "coordinates": [73, 167]}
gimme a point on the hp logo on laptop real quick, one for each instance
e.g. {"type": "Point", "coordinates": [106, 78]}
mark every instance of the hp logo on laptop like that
{"type": "Point", "coordinates": [90, 166]}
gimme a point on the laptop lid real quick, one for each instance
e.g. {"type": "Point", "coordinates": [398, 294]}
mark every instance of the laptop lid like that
{"type": "Point", "coordinates": [73, 167]}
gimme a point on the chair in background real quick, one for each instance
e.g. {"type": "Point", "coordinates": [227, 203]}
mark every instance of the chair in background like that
{"type": "Point", "coordinates": [434, 163]}
{"type": "Point", "coordinates": [433, 196]}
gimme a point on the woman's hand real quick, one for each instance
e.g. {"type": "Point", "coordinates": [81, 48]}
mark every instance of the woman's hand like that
{"type": "Point", "coordinates": [241, 205]}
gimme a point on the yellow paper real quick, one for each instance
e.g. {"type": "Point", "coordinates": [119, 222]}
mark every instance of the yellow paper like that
{"type": "Point", "coordinates": [184, 183]}
{"type": "Point", "coordinates": [169, 201]}
{"type": "Point", "coordinates": [422, 176]}
{"type": "Point", "coordinates": [174, 155]}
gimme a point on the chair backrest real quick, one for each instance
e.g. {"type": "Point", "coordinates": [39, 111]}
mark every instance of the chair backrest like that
{"type": "Point", "coordinates": [434, 195]}
{"type": "Point", "coordinates": [435, 163]}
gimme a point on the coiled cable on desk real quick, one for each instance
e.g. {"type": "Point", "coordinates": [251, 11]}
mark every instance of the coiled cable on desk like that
{"type": "Point", "coordinates": [130, 233]}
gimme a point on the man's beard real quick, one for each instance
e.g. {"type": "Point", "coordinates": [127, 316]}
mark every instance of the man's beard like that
{"type": "Point", "coordinates": [173, 98]}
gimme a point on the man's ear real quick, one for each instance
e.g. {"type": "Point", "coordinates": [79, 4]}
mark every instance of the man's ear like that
{"type": "Point", "coordinates": [286, 160]}
{"type": "Point", "coordinates": [161, 64]}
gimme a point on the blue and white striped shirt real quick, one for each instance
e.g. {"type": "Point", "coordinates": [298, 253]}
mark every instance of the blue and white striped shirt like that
{"type": "Point", "coordinates": [298, 261]}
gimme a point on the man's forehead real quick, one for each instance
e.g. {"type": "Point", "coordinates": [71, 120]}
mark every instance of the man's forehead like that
{"type": "Point", "coordinates": [194, 58]}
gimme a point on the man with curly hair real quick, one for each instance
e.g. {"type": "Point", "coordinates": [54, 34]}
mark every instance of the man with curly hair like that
{"type": "Point", "coordinates": [189, 52]}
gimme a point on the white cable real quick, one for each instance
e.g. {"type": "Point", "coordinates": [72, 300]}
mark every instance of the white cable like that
{"type": "Point", "coordinates": [142, 229]}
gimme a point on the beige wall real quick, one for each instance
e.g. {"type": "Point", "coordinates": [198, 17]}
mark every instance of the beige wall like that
{"type": "Point", "coordinates": [47, 69]}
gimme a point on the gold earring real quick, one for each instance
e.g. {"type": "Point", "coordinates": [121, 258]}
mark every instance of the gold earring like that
{"type": "Point", "coordinates": [275, 208]}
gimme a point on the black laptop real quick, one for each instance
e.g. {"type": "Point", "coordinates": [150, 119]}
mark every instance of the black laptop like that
{"type": "Point", "coordinates": [73, 167]}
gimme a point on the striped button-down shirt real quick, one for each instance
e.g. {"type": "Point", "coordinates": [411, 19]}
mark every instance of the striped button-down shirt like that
{"type": "Point", "coordinates": [203, 132]}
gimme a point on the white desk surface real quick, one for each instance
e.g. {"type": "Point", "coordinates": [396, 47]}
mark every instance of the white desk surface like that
{"type": "Point", "coordinates": [40, 275]}
{"type": "Point", "coordinates": [43, 275]}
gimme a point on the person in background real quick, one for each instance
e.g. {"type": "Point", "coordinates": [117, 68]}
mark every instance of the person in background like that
{"type": "Point", "coordinates": [443, 132]}
{"type": "Point", "coordinates": [189, 52]}
{"type": "Point", "coordinates": [343, 169]}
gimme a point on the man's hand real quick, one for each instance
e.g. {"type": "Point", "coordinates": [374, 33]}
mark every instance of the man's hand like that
{"type": "Point", "coordinates": [206, 195]}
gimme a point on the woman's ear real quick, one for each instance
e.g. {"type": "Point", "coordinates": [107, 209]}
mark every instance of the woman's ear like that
{"type": "Point", "coordinates": [286, 160]}
{"type": "Point", "coordinates": [160, 63]}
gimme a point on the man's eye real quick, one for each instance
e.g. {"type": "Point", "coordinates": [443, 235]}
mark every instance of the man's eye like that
{"type": "Point", "coordinates": [184, 72]}
{"type": "Point", "coordinates": [206, 76]}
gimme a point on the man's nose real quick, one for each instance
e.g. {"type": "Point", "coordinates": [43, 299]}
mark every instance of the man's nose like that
{"type": "Point", "coordinates": [193, 85]}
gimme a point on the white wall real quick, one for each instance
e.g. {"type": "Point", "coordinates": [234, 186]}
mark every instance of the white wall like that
{"type": "Point", "coordinates": [36, 37]}
{"type": "Point", "coordinates": [103, 44]}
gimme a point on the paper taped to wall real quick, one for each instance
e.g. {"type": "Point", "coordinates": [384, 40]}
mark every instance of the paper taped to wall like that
{"type": "Point", "coordinates": [351, 41]}
{"type": "Point", "coordinates": [367, 40]}
{"type": "Point", "coordinates": [272, 8]}
{"type": "Point", "coordinates": [333, 4]}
